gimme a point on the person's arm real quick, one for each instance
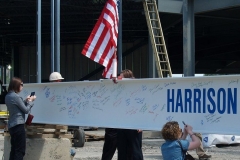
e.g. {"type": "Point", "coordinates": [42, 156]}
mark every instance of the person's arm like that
{"type": "Point", "coordinates": [195, 140]}
{"type": "Point", "coordinates": [184, 135]}
{"type": "Point", "coordinates": [21, 105]}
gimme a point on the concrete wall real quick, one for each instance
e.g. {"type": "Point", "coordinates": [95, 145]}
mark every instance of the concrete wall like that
{"type": "Point", "coordinates": [42, 149]}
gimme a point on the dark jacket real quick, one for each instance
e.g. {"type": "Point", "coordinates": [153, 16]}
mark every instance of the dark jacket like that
{"type": "Point", "coordinates": [17, 109]}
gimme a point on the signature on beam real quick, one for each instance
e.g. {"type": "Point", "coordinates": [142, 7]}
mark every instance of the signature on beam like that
{"type": "Point", "coordinates": [169, 118]}
{"type": "Point", "coordinates": [163, 107]}
{"type": "Point", "coordinates": [233, 81]}
{"type": "Point", "coordinates": [167, 84]}
{"type": "Point", "coordinates": [155, 117]}
{"type": "Point", "coordinates": [201, 84]}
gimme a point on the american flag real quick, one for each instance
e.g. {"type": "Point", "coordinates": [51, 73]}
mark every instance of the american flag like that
{"type": "Point", "coordinates": [102, 43]}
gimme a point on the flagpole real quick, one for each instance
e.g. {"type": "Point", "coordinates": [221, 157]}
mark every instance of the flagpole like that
{"type": "Point", "coordinates": [119, 46]}
{"type": "Point", "coordinates": [114, 74]}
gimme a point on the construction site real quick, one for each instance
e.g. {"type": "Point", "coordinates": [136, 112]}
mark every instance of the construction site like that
{"type": "Point", "coordinates": [156, 40]}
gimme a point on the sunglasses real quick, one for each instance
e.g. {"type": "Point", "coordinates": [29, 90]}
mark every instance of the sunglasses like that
{"type": "Point", "coordinates": [22, 84]}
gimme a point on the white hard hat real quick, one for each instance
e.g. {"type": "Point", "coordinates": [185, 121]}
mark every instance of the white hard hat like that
{"type": "Point", "coordinates": [55, 76]}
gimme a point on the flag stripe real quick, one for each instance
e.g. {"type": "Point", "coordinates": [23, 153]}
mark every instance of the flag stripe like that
{"type": "Point", "coordinates": [108, 70]}
{"type": "Point", "coordinates": [110, 53]}
{"type": "Point", "coordinates": [102, 41]}
{"type": "Point", "coordinates": [96, 48]}
{"type": "Point", "coordinates": [108, 22]}
{"type": "Point", "coordinates": [114, 23]}
{"type": "Point", "coordinates": [102, 46]}
{"type": "Point", "coordinates": [91, 42]}
{"type": "Point", "coordinates": [91, 37]}
{"type": "Point", "coordinates": [103, 60]}
{"type": "Point", "coordinates": [92, 47]}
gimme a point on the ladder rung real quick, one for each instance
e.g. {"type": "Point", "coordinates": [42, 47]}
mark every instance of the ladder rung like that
{"type": "Point", "coordinates": [150, 3]}
{"type": "Point", "coordinates": [157, 36]}
{"type": "Point", "coordinates": [156, 28]}
{"type": "Point", "coordinates": [165, 70]}
{"type": "Point", "coordinates": [159, 44]}
{"type": "Point", "coordinates": [161, 53]}
{"type": "Point", "coordinates": [154, 19]}
{"type": "Point", "coordinates": [163, 61]}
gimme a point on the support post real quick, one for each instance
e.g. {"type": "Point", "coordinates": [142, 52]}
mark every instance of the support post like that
{"type": "Point", "coordinates": [152, 66]}
{"type": "Point", "coordinates": [188, 38]}
{"type": "Point", "coordinates": [57, 36]}
{"type": "Point", "coordinates": [39, 39]}
{"type": "Point", "coordinates": [119, 46]}
{"type": "Point", "coordinates": [4, 74]}
{"type": "Point", "coordinates": [1, 74]}
{"type": "Point", "coordinates": [52, 35]}
{"type": "Point", "coordinates": [12, 63]}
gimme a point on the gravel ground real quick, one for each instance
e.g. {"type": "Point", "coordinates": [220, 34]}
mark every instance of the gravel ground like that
{"type": "Point", "coordinates": [93, 151]}
{"type": "Point", "coordinates": [151, 151]}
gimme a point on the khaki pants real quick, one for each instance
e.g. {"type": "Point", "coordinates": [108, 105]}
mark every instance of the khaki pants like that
{"type": "Point", "coordinates": [200, 150]}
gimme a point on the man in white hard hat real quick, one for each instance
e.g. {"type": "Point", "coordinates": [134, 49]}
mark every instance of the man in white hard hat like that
{"type": "Point", "coordinates": [55, 77]}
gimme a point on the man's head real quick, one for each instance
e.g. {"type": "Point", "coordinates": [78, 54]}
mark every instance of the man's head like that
{"type": "Point", "coordinates": [55, 77]}
{"type": "Point", "coordinates": [126, 74]}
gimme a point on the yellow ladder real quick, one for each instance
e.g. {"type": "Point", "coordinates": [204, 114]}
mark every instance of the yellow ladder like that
{"type": "Point", "coordinates": [157, 38]}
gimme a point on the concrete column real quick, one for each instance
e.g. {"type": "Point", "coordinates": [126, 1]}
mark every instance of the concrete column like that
{"type": "Point", "coordinates": [57, 36]}
{"type": "Point", "coordinates": [42, 148]}
{"type": "Point", "coordinates": [119, 46]}
{"type": "Point", "coordinates": [188, 38]}
{"type": "Point", "coordinates": [151, 60]}
{"type": "Point", "coordinates": [52, 35]}
{"type": "Point", "coordinates": [39, 41]}
{"type": "Point", "coordinates": [4, 75]}
{"type": "Point", "coordinates": [12, 64]}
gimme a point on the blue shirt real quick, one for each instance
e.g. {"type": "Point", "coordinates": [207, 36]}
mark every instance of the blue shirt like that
{"type": "Point", "coordinates": [171, 150]}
